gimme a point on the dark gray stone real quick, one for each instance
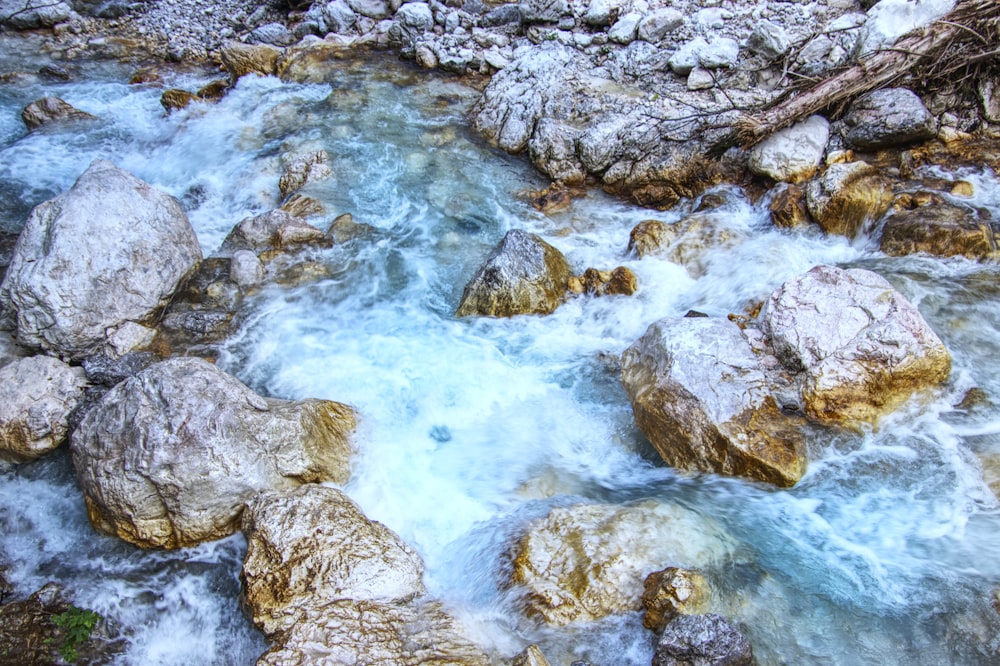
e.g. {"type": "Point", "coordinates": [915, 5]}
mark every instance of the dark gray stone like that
{"type": "Point", "coordinates": [702, 640]}
{"type": "Point", "coordinates": [890, 117]}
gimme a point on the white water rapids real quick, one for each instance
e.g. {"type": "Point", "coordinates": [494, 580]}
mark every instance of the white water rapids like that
{"type": "Point", "coordinates": [885, 553]}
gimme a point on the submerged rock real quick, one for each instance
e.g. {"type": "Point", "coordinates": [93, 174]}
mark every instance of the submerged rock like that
{"type": "Point", "coordinates": [788, 207]}
{"type": "Point", "coordinates": [49, 110]}
{"type": "Point", "coordinates": [862, 347]}
{"type": "Point", "coordinates": [702, 640]}
{"type": "Point", "coordinates": [312, 545]}
{"type": "Point", "coordinates": [168, 457]}
{"type": "Point", "coordinates": [110, 250]}
{"type": "Point", "coordinates": [943, 230]}
{"type": "Point", "coordinates": [585, 562]}
{"type": "Point", "coordinates": [685, 242]}
{"type": "Point", "coordinates": [271, 230]}
{"type": "Point", "coordinates": [704, 400]}
{"type": "Point", "coordinates": [37, 395]}
{"type": "Point", "coordinates": [522, 275]}
{"type": "Point", "coordinates": [367, 633]}
{"type": "Point", "coordinates": [302, 169]}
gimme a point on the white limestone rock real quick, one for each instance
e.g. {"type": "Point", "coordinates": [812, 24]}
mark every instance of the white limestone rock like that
{"type": "Point", "coordinates": [794, 154]}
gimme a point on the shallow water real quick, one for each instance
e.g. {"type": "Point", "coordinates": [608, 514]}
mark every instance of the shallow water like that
{"type": "Point", "coordinates": [471, 428]}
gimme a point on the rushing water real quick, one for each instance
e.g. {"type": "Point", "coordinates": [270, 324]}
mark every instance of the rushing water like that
{"type": "Point", "coordinates": [886, 552]}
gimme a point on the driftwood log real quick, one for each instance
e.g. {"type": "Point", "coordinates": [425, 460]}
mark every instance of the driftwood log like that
{"type": "Point", "coordinates": [958, 46]}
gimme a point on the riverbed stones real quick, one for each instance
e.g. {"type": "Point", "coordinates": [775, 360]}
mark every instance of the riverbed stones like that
{"type": "Point", "coordinates": [110, 250]}
{"type": "Point", "coordinates": [522, 275]}
{"type": "Point", "coordinates": [672, 592]}
{"type": "Point", "coordinates": [703, 399]}
{"type": "Point", "coordinates": [888, 117]}
{"type": "Point", "coordinates": [793, 154]}
{"type": "Point", "coordinates": [769, 40]}
{"type": "Point", "coordinates": [848, 196]}
{"type": "Point", "coordinates": [367, 633]}
{"type": "Point", "coordinates": [588, 561]}
{"type": "Point", "coordinates": [168, 457]}
{"type": "Point", "coordinates": [37, 394]}
{"type": "Point", "coordinates": [862, 346]}
{"type": "Point", "coordinates": [311, 545]}
{"type": "Point", "coordinates": [658, 24]}
{"type": "Point", "coordinates": [942, 230]}
{"type": "Point", "coordinates": [702, 639]}
{"type": "Point", "coordinates": [50, 111]}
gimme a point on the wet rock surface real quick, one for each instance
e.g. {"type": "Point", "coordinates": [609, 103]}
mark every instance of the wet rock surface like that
{"type": "Point", "coordinates": [51, 111]}
{"type": "Point", "coordinates": [942, 230]}
{"type": "Point", "coordinates": [168, 457]}
{"type": "Point", "coordinates": [670, 593]}
{"type": "Point", "coordinates": [702, 639]}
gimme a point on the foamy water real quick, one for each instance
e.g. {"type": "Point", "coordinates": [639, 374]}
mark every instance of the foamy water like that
{"type": "Point", "coordinates": [472, 428]}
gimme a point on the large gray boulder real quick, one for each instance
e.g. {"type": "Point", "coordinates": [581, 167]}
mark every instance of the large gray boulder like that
{"type": "Point", "coordinates": [522, 275]}
{"type": "Point", "coordinates": [588, 561]}
{"type": "Point", "coordinates": [704, 400]}
{"type": "Point", "coordinates": [889, 117]}
{"type": "Point", "coordinates": [109, 251]}
{"type": "Point", "coordinates": [37, 394]}
{"type": "Point", "coordinates": [30, 14]}
{"type": "Point", "coordinates": [311, 545]}
{"type": "Point", "coordinates": [168, 457]}
{"type": "Point", "coordinates": [862, 346]}
{"type": "Point", "coordinates": [794, 153]}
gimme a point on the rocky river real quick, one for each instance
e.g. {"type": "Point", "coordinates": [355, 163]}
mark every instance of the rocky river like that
{"type": "Point", "coordinates": [331, 356]}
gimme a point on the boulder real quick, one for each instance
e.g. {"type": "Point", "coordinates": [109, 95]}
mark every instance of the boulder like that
{"type": "Point", "coordinates": [617, 282]}
{"type": "Point", "coordinates": [241, 59]}
{"type": "Point", "coordinates": [415, 17]}
{"type": "Point", "coordinates": [543, 11]}
{"type": "Point", "coordinates": [110, 250]}
{"type": "Point", "coordinates": [275, 34]}
{"type": "Point", "coordinates": [888, 117]}
{"type": "Point", "coordinates": [31, 14]}
{"type": "Point", "coordinates": [687, 57]}
{"type": "Point", "coordinates": [588, 561]}
{"type": "Point", "coordinates": [522, 275]}
{"type": "Point", "coordinates": [602, 13]}
{"type": "Point", "coordinates": [672, 592]}
{"type": "Point", "coordinates": [768, 40]}
{"type": "Point", "coordinates": [702, 640]}
{"type": "Point", "coordinates": [311, 545]}
{"type": "Point", "coordinates": [175, 99]}
{"type": "Point", "coordinates": [721, 52]}
{"type": "Point", "coordinates": [373, 9]}
{"type": "Point", "coordinates": [889, 20]}
{"type": "Point", "coordinates": [51, 110]}
{"type": "Point", "coordinates": [625, 29]}
{"type": "Point", "coordinates": [704, 400]}
{"type": "Point", "coordinates": [943, 230]}
{"type": "Point", "coordinates": [847, 196]}
{"type": "Point", "coordinates": [530, 656]}
{"type": "Point", "coordinates": [168, 457]}
{"type": "Point", "coordinates": [245, 269]}
{"type": "Point", "coordinates": [792, 154]}
{"type": "Point", "coordinates": [659, 23]}
{"type": "Point", "coordinates": [863, 348]}
{"type": "Point", "coordinates": [368, 633]}
{"type": "Point", "coordinates": [300, 169]}
{"type": "Point", "coordinates": [685, 242]}
{"type": "Point", "coordinates": [336, 17]}
{"type": "Point", "coordinates": [37, 394]}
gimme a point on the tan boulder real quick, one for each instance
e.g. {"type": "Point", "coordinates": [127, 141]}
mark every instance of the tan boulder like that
{"type": "Point", "coordinates": [847, 196]}
{"type": "Point", "coordinates": [862, 346]}
{"type": "Point", "coordinates": [530, 656]}
{"type": "Point", "coordinates": [175, 99]}
{"type": "Point", "coordinates": [673, 592]}
{"type": "Point", "coordinates": [943, 230]}
{"type": "Point", "coordinates": [704, 400]}
{"type": "Point", "coordinates": [788, 207]}
{"type": "Point", "coordinates": [585, 562]}
{"type": "Point", "coordinates": [168, 457]}
{"type": "Point", "coordinates": [37, 394]}
{"type": "Point", "coordinates": [618, 282]}
{"type": "Point", "coordinates": [522, 275]}
{"type": "Point", "coordinates": [311, 545]}
{"type": "Point", "coordinates": [368, 633]}
{"type": "Point", "coordinates": [241, 59]}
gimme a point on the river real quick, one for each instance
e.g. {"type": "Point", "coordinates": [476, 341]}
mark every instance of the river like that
{"type": "Point", "coordinates": [885, 553]}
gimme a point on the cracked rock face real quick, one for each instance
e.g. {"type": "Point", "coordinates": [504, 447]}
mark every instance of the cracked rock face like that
{"type": "Point", "coordinates": [702, 397]}
{"type": "Point", "coordinates": [168, 457]}
{"type": "Point", "coordinates": [312, 545]}
{"type": "Point", "coordinates": [110, 250]}
{"type": "Point", "coordinates": [863, 347]}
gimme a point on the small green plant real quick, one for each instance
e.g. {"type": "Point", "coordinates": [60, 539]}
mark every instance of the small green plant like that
{"type": "Point", "coordinates": [78, 623]}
